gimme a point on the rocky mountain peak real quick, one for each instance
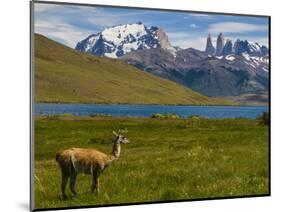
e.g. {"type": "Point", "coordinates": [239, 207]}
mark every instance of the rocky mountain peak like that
{"type": "Point", "coordinates": [228, 48]}
{"type": "Point", "coordinates": [118, 40]}
{"type": "Point", "coordinates": [210, 49]}
{"type": "Point", "coordinates": [249, 48]}
{"type": "Point", "coordinates": [240, 47]}
{"type": "Point", "coordinates": [220, 44]}
{"type": "Point", "coordinates": [164, 41]}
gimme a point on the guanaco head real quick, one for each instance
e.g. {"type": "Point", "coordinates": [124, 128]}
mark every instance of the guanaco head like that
{"type": "Point", "coordinates": [119, 138]}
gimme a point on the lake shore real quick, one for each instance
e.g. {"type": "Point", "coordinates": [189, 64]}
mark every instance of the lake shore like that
{"type": "Point", "coordinates": [127, 110]}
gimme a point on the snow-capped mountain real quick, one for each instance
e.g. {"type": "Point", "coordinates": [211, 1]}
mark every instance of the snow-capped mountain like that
{"type": "Point", "coordinates": [251, 48]}
{"type": "Point", "coordinates": [254, 63]}
{"type": "Point", "coordinates": [240, 47]}
{"type": "Point", "coordinates": [118, 40]}
{"type": "Point", "coordinates": [232, 68]}
{"type": "Point", "coordinates": [253, 55]}
{"type": "Point", "coordinates": [235, 69]}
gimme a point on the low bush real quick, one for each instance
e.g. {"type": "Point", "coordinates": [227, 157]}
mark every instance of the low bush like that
{"type": "Point", "coordinates": [167, 116]}
{"type": "Point", "coordinates": [100, 115]}
{"type": "Point", "coordinates": [263, 119]}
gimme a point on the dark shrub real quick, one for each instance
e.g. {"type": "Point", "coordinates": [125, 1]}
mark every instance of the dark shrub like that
{"type": "Point", "coordinates": [263, 119]}
{"type": "Point", "coordinates": [157, 115]}
{"type": "Point", "coordinates": [100, 115]}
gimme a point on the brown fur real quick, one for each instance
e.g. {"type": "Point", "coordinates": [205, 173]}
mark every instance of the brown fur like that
{"type": "Point", "coordinates": [89, 161]}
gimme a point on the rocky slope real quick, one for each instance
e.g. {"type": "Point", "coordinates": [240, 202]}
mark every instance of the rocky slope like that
{"type": "Point", "coordinates": [232, 68]}
{"type": "Point", "coordinates": [239, 69]}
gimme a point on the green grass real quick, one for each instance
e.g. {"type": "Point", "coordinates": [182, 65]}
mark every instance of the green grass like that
{"type": "Point", "coordinates": [65, 75]}
{"type": "Point", "coordinates": [167, 159]}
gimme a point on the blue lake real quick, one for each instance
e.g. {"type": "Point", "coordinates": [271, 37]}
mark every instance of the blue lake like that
{"type": "Point", "coordinates": [148, 110]}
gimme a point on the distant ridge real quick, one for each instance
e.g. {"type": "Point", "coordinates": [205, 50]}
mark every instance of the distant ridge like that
{"type": "Point", "coordinates": [227, 70]}
{"type": "Point", "coordinates": [63, 75]}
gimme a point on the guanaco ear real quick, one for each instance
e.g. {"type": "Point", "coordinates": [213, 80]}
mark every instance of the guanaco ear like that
{"type": "Point", "coordinates": [123, 130]}
{"type": "Point", "coordinates": [114, 133]}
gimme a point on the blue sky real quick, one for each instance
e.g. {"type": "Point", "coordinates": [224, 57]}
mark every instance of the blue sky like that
{"type": "Point", "coordinates": [69, 24]}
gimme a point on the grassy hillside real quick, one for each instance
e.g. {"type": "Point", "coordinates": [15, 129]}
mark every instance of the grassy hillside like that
{"type": "Point", "coordinates": [167, 159]}
{"type": "Point", "coordinates": [65, 75]}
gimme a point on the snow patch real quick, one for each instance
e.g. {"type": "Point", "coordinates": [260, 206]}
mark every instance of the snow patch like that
{"type": "Point", "coordinates": [254, 47]}
{"type": "Point", "coordinates": [230, 57]}
{"type": "Point", "coordinates": [119, 33]}
{"type": "Point", "coordinates": [127, 47]}
{"type": "Point", "coordinates": [112, 54]}
{"type": "Point", "coordinates": [246, 56]}
{"type": "Point", "coordinates": [91, 42]}
{"type": "Point", "coordinates": [250, 64]}
{"type": "Point", "coordinates": [266, 70]}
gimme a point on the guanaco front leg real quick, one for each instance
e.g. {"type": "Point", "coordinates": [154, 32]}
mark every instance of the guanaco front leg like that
{"type": "Point", "coordinates": [95, 183]}
{"type": "Point", "coordinates": [72, 183]}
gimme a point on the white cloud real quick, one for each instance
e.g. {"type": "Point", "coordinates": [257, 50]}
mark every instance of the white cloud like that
{"type": "Point", "coordinates": [102, 18]}
{"type": "Point", "coordinates": [236, 27]}
{"type": "Point", "coordinates": [198, 41]}
{"type": "Point", "coordinates": [56, 26]}
{"type": "Point", "coordinates": [199, 15]}
{"type": "Point", "coordinates": [193, 26]}
{"type": "Point", "coordinates": [186, 40]}
{"type": "Point", "coordinates": [54, 21]}
{"type": "Point", "coordinates": [195, 42]}
{"type": "Point", "coordinates": [59, 30]}
{"type": "Point", "coordinates": [104, 21]}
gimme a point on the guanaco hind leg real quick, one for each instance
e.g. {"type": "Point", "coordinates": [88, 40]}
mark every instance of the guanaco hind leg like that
{"type": "Point", "coordinates": [72, 183]}
{"type": "Point", "coordinates": [63, 185]}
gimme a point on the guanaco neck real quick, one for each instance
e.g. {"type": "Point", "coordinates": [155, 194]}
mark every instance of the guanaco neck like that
{"type": "Point", "coordinates": [116, 150]}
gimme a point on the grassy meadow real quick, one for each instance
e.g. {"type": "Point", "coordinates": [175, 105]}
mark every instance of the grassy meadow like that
{"type": "Point", "coordinates": [167, 159]}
